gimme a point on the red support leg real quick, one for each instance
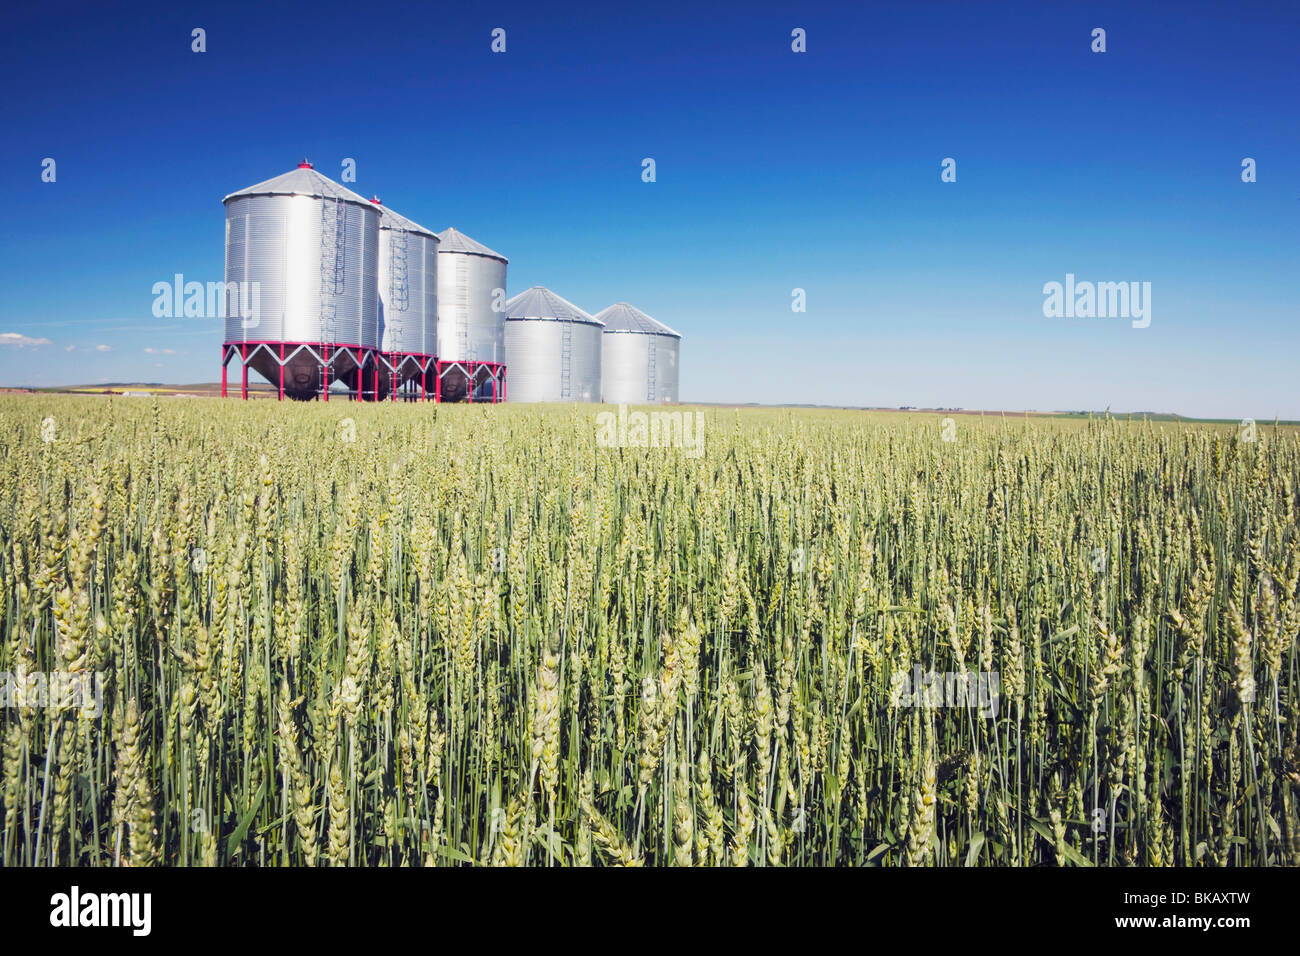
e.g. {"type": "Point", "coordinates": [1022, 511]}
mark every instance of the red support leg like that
{"type": "Point", "coordinates": [437, 383]}
{"type": "Point", "coordinates": [243, 364]}
{"type": "Point", "coordinates": [223, 371]}
{"type": "Point", "coordinates": [326, 396]}
{"type": "Point", "coordinates": [469, 391]}
{"type": "Point", "coordinates": [281, 398]}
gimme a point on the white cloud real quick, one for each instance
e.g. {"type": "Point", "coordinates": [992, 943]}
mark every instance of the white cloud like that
{"type": "Point", "coordinates": [103, 348]}
{"type": "Point", "coordinates": [153, 351]}
{"type": "Point", "coordinates": [20, 341]}
{"type": "Point", "coordinates": [70, 348]}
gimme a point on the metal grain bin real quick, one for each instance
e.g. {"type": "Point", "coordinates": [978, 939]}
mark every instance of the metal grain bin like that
{"type": "Point", "coordinates": [552, 349]}
{"type": "Point", "coordinates": [469, 277]}
{"type": "Point", "coordinates": [408, 284]}
{"type": "Point", "coordinates": [312, 247]}
{"type": "Point", "coordinates": [638, 364]}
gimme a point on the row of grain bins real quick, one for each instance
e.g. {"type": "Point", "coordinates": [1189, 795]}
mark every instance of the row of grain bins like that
{"type": "Point", "coordinates": [556, 352]}
{"type": "Point", "coordinates": [349, 295]}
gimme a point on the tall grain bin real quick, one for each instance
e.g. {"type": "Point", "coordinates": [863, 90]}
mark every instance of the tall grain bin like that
{"type": "Point", "coordinates": [311, 247]}
{"type": "Point", "coordinates": [552, 349]}
{"type": "Point", "coordinates": [638, 364]}
{"type": "Point", "coordinates": [469, 275]}
{"type": "Point", "coordinates": [408, 297]}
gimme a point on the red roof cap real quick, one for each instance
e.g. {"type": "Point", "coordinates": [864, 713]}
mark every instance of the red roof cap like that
{"type": "Point", "coordinates": [304, 165]}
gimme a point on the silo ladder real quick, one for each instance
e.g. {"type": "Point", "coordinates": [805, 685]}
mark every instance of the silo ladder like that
{"type": "Point", "coordinates": [650, 372]}
{"type": "Point", "coordinates": [566, 348]}
{"type": "Point", "coordinates": [462, 299]}
{"type": "Point", "coordinates": [333, 226]}
{"type": "Point", "coordinates": [397, 290]}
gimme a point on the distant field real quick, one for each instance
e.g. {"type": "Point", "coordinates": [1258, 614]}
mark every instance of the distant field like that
{"type": "Point", "coordinates": [359, 635]}
{"type": "Point", "coordinates": [201, 390]}
{"type": "Point", "coordinates": [259, 389]}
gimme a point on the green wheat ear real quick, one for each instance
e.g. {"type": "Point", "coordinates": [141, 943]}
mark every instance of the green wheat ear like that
{"type": "Point", "coordinates": [484, 639]}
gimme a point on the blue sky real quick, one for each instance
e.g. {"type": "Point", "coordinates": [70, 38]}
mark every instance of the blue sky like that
{"type": "Point", "coordinates": [775, 171]}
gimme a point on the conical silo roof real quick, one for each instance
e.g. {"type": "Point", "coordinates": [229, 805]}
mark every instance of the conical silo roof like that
{"type": "Point", "coordinates": [303, 181]}
{"type": "Point", "coordinates": [621, 317]}
{"type": "Point", "coordinates": [453, 240]}
{"type": "Point", "coordinates": [395, 220]}
{"type": "Point", "coordinates": [541, 303]}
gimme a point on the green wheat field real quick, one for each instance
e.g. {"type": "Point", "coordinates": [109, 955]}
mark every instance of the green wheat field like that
{"type": "Point", "coordinates": [342, 634]}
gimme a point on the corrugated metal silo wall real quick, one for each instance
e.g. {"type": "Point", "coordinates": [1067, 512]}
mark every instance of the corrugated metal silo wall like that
{"type": "Point", "coordinates": [668, 359]}
{"type": "Point", "coordinates": [626, 368]}
{"type": "Point", "coordinates": [316, 263]}
{"type": "Point", "coordinates": [408, 318]}
{"type": "Point", "coordinates": [534, 354]}
{"type": "Point", "coordinates": [468, 326]}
